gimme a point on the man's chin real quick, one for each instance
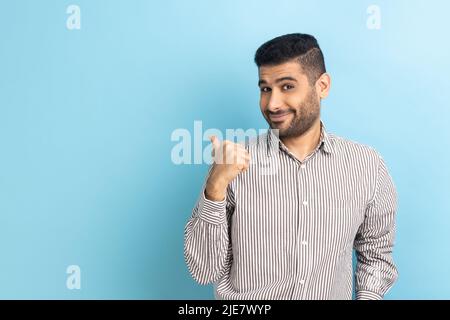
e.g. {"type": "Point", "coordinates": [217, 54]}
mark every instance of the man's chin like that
{"type": "Point", "coordinates": [282, 127]}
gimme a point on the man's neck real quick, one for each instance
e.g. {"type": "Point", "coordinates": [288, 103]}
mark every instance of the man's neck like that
{"type": "Point", "coordinates": [304, 145]}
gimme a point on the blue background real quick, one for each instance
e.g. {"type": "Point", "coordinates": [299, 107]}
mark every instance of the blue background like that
{"type": "Point", "coordinates": [86, 118]}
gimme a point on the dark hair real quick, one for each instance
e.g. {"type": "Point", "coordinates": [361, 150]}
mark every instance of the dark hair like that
{"type": "Point", "coordinates": [302, 47]}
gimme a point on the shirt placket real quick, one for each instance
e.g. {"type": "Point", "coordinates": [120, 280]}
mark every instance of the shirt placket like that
{"type": "Point", "coordinates": [302, 252]}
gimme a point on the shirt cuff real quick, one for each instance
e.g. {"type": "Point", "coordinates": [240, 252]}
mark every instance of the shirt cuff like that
{"type": "Point", "coordinates": [213, 212]}
{"type": "Point", "coordinates": [367, 295]}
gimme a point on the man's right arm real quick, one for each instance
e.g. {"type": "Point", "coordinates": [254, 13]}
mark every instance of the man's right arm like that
{"type": "Point", "coordinates": [207, 245]}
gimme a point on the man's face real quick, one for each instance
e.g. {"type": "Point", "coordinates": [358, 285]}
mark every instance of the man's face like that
{"type": "Point", "coordinates": [288, 102]}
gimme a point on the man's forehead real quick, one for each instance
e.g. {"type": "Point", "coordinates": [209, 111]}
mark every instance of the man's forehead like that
{"type": "Point", "coordinates": [288, 69]}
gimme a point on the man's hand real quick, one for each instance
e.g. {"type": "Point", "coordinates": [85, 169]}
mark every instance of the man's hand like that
{"type": "Point", "coordinates": [230, 159]}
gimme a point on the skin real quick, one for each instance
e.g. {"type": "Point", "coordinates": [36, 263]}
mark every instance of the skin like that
{"type": "Point", "coordinates": [290, 103]}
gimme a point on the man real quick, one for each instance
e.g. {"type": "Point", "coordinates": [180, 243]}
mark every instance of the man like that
{"type": "Point", "coordinates": [286, 227]}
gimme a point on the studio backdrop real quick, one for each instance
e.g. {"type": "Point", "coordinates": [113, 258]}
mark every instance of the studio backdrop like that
{"type": "Point", "coordinates": [97, 97]}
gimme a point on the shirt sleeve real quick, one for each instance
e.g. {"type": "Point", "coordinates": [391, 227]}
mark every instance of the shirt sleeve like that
{"type": "Point", "coordinates": [207, 244]}
{"type": "Point", "coordinates": [375, 269]}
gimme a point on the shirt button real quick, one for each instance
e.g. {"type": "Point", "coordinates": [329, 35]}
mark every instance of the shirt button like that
{"type": "Point", "coordinates": [305, 243]}
{"type": "Point", "coordinates": [305, 203]}
{"type": "Point", "coordinates": [303, 166]}
{"type": "Point", "coordinates": [302, 282]}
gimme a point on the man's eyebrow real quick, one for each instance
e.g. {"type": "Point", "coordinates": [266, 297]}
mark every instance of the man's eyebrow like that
{"type": "Point", "coordinates": [260, 82]}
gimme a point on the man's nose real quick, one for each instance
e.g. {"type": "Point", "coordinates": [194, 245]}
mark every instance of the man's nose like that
{"type": "Point", "coordinates": [275, 102]}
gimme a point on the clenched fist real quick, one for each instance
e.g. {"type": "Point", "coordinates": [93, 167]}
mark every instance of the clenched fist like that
{"type": "Point", "coordinates": [230, 159]}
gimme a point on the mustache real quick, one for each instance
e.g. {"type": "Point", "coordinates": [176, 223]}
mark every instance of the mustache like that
{"type": "Point", "coordinates": [279, 113]}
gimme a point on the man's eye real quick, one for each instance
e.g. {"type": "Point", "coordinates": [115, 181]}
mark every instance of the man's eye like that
{"type": "Point", "coordinates": [265, 89]}
{"type": "Point", "coordinates": [288, 87]}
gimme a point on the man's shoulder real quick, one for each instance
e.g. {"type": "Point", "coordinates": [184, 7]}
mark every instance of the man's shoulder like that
{"type": "Point", "coordinates": [352, 148]}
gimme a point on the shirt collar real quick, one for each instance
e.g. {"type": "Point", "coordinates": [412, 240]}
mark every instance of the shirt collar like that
{"type": "Point", "coordinates": [325, 143]}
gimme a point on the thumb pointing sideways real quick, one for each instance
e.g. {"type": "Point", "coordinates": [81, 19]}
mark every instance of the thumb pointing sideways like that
{"type": "Point", "coordinates": [215, 145]}
{"type": "Point", "coordinates": [215, 142]}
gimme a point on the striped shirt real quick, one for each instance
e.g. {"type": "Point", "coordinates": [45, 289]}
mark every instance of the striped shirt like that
{"type": "Point", "coordinates": [287, 228]}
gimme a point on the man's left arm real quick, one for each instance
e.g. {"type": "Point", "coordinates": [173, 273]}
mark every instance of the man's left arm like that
{"type": "Point", "coordinates": [375, 269]}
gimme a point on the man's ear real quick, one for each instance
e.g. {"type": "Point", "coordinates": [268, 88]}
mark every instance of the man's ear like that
{"type": "Point", "coordinates": [323, 85]}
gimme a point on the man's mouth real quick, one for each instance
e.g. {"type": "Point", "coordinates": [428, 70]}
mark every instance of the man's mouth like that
{"type": "Point", "coordinates": [279, 117]}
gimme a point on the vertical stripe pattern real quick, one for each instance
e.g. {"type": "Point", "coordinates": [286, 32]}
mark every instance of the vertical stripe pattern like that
{"type": "Point", "coordinates": [287, 228]}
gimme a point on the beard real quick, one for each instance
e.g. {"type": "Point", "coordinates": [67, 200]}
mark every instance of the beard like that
{"type": "Point", "coordinates": [303, 118]}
